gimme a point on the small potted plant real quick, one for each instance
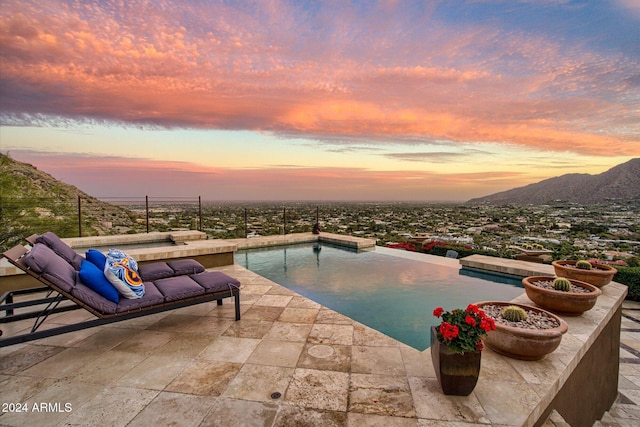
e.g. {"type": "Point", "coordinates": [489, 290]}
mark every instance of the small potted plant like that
{"type": "Point", "coordinates": [561, 295]}
{"type": "Point", "coordinates": [596, 274]}
{"type": "Point", "coordinates": [523, 331]}
{"type": "Point", "coordinates": [455, 348]}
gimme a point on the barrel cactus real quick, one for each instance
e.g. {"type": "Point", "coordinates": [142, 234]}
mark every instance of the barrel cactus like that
{"type": "Point", "coordinates": [513, 313]}
{"type": "Point", "coordinates": [583, 265]}
{"type": "Point", "coordinates": [561, 284]}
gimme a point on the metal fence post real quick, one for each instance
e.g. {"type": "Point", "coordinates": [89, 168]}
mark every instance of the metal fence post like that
{"type": "Point", "coordinates": [200, 213]}
{"type": "Point", "coordinates": [146, 198]}
{"type": "Point", "coordinates": [79, 217]}
{"type": "Point", "coordinates": [284, 221]}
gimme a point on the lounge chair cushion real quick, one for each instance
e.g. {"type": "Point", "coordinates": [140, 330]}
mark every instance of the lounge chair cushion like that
{"type": "Point", "coordinates": [185, 266]}
{"type": "Point", "coordinates": [95, 279]}
{"type": "Point", "coordinates": [179, 287]}
{"type": "Point", "coordinates": [61, 248]}
{"type": "Point", "coordinates": [155, 271]}
{"type": "Point", "coordinates": [93, 299]}
{"type": "Point", "coordinates": [215, 281]}
{"type": "Point", "coordinates": [52, 267]}
{"type": "Point", "coordinates": [152, 296]}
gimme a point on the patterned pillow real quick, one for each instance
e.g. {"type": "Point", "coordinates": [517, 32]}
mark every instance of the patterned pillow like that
{"type": "Point", "coordinates": [125, 268]}
{"type": "Point", "coordinates": [123, 289]}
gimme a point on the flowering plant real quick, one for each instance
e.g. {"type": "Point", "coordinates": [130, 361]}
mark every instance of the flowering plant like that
{"type": "Point", "coordinates": [462, 330]}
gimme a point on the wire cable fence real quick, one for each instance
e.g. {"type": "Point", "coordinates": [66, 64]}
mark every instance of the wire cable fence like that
{"type": "Point", "coordinates": [87, 216]}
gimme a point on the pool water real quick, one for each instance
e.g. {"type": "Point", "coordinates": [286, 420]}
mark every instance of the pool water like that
{"type": "Point", "coordinates": [391, 294]}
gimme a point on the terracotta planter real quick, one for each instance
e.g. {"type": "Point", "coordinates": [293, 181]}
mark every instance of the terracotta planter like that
{"type": "Point", "coordinates": [521, 343]}
{"type": "Point", "coordinates": [568, 303]}
{"type": "Point", "coordinates": [598, 276]}
{"type": "Point", "coordinates": [457, 373]}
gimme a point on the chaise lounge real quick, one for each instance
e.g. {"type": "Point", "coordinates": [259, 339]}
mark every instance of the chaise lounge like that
{"type": "Point", "coordinates": [70, 277]}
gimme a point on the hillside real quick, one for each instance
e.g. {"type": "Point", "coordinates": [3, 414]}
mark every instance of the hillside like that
{"type": "Point", "coordinates": [32, 201]}
{"type": "Point", "coordinates": [621, 182]}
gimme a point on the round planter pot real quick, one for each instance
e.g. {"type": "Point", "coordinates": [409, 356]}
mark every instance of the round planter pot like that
{"type": "Point", "coordinates": [521, 343]}
{"type": "Point", "coordinates": [456, 373]}
{"type": "Point", "coordinates": [568, 303]}
{"type": "Point", "coordinates": [600, 275]}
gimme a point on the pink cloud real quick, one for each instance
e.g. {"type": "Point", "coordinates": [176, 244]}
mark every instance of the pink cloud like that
{"type": "Point", "coordinates": [281, 68]}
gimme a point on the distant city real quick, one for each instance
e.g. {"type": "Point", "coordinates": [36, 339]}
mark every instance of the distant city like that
{"type": "Point", "coordinates": [609, 231]}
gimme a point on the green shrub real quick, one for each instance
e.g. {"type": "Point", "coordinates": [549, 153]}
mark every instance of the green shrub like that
{"type": "Point", "coordinates": [629, 276]}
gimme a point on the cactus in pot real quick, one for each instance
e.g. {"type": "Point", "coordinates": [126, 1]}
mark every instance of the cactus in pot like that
{"type": "Point", "coordinates": [583, 265]}
{"type": "Point", "coordinates": [561, 284]}
{"type": "Point", "coordinates": [513, 313]}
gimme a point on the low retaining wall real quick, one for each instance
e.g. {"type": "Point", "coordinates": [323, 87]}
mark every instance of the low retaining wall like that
{"type": "Point", "coordinates": [358, 243]}
{"type": "Point", "coordinates": [581, 376]}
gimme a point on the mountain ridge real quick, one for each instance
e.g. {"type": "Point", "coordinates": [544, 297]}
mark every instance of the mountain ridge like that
{"type": "Point", "coordinates": [32, 201]}
{"type": "Point", "coordinates": [621, 182]}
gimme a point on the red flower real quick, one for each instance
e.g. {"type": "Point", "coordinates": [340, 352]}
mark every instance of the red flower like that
{"type": "Point", "coordinates": [488, 324]}
{"type": "Point", "coordinates": [462, 330]}
{"type": "Point", "coordinates": [448, 331]}
{"type": "Point", "coordinates": [470, 320]}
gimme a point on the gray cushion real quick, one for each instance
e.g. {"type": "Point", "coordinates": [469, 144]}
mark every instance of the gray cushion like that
{"type": "Point", "coordinates": [47, 263]}
{"type": "Point", "coordinates": [93, 299]}
{"type": "Point", "coordinates": [215, 281]}
{"type": "Point", "coordinates": [155, 271]}
{"type": "Point", "coordinates": [151, 297]}
{"type": "Point", "coordinates": [185, 266]}
{"type": "Point", "coordinates": [61, 248]}
{"type": "Point", "coordinates": [179, 287]}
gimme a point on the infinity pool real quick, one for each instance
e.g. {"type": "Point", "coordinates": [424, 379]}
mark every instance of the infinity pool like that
{"type": "Point", "coordinates": [391, 294]}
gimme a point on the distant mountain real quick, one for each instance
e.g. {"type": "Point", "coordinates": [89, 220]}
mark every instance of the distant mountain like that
{"type": "Point", "coordinates": [32, 201]}
{"type": "Point", "coordinates": [621, 182]}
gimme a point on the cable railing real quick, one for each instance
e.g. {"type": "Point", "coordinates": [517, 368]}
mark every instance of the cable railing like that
{"type": "Point", "coordinates": [388, 223]}
{"type": "Point", "coordinates": [130, 215]}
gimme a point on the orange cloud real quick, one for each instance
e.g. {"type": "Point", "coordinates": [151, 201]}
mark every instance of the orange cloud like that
{"type": "Point", "coordinates": [325, 73]}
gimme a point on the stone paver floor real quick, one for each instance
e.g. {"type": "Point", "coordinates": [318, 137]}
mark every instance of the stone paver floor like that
{"type": "Point", "coordinates": [289, 361]}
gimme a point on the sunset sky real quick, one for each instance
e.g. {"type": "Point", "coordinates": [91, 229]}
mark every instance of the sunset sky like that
{"type": "Point", "coordinates": [335, 100]}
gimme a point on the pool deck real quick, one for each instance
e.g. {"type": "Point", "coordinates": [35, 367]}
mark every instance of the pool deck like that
{"type": "Point", "coordinates": [196, 366]}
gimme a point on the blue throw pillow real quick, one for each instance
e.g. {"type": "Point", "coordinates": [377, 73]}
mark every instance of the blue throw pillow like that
{"type": "Point", "coordinates": [94, 278]}
{"type": "Point", "coordinates": [97, 258]}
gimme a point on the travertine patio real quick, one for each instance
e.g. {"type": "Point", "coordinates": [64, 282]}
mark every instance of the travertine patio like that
{"type": "Point", "coordinates": [289, 361]}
